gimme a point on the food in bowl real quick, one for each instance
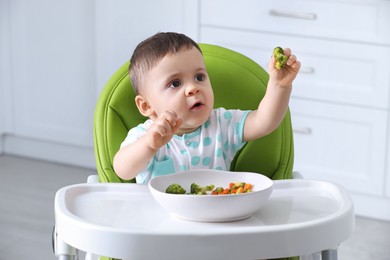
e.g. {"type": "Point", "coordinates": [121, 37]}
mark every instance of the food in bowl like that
{"type": "Point", "coordinates": [234, 188]}
{"type": "Point", "coordinates": [195, 189]}
{"type": "Point", "coordinates": [211, 208]}
{"type": "Point", "coordinates": [175, 189]}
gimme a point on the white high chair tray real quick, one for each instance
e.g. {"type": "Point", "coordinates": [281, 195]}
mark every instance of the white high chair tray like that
{"type": "Point", "coordinates": [124, 221]}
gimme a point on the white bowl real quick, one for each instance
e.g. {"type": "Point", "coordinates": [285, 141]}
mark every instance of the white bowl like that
{"type": "Point", "coordinates": [211, 208]}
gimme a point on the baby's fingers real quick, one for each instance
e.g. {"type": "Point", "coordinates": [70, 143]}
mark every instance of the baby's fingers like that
{"type": "Point", "coordinates": [296, 65]}
{"type": "Point", "coordinates": [287, 51]}
{"type": "Point", "coordinates": [171, 117]}
{"type": "Point", "coordinates": [177, 125]}
{"type": "Point", "coordinates": [161, 129]}
{"type": "Point", "coordinates": [174, 121]}
{"type": "Point", "coordinates": [159, 134]}
{"type": "Point", "coordinates": [166, 124]}
{"type": "Point", "coordinates": [291, 59]}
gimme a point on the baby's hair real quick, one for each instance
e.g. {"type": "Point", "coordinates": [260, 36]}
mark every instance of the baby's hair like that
{"type": "Point", "coordinates": [152, 50]}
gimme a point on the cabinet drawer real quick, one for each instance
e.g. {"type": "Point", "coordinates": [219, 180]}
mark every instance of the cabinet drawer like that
{"type": "Point", "coordinates": [348, 73]}
{"type": "Point", "coordinates": [341, 144]}
{"type": "Point", "coordinates": [359, 20]}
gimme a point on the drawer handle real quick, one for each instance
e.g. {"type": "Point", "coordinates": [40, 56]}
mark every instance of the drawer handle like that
{"type": "Point", "coordinates": [297, 15]}
{"type": "Point", "coordinates": [307, 70]}
{"type": "Point", "coordinates": [303, 131]}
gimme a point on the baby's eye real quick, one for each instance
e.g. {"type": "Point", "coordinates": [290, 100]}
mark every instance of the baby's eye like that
{"type": "Point", "coordinates": [175, 84]}
{"type": "Point", "coordinates": [200, 77]}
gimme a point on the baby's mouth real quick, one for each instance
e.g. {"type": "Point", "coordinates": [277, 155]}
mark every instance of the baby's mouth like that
{"type": "Point", "coordinates": [196, 105]}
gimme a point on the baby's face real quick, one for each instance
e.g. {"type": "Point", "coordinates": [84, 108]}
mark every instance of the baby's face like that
{"type": "Point", "coordinates": [180, 83]}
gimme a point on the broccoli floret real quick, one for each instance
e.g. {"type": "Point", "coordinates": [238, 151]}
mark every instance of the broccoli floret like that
{"type": "Point", "coordinates": [280, 58]}
{"type": "Point", "coordinates": [219, 189]}
{"type": "Point", "coordinates": [175, 189]}
{"type": "Point", "coordinates": [209, 187]}
{"type": "Point", "coordinates": [195, 188]}
{"type": "Point", "coordinates": [198, 190]}
{"type": "Point", "coordinates": [278, 50]}
{"type": "Point", "coordinates": [238, 185]}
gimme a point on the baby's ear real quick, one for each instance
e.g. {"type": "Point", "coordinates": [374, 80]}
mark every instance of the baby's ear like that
{"type": "Point", "coordinates": [143, 106]}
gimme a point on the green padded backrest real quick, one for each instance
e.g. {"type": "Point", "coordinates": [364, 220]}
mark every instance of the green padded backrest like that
{"type": "Point", "coordinates": [238, 82]}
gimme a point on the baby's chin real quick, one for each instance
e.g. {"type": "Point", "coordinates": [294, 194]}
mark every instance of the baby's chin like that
{"type": "Point", "coordinates": [186, 129]}
{"type": "Point", "coordinates": [191, 124]}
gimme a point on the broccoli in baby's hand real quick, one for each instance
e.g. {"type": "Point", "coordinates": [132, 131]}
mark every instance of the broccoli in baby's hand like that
{"type": "Point", "coordinates": [198, 190]}
{"type": "Point", "coordinates": [175, 189]}
{"type": "Point", "coordinates": [280, 58]}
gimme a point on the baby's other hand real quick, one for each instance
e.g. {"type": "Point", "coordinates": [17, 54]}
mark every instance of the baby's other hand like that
{"type": "Point", "coordinates": [285, 75]}
{"type": "Point", "coordinates": [163, 129]}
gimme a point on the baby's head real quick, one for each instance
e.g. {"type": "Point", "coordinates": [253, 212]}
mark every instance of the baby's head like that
{"type": "Point", "coordinates": [168, 73]}
{"type": "Point", "coordinates": [152, 50]}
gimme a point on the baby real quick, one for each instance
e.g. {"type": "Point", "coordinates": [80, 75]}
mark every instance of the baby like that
{"type": "Point", "coordinates": [184, 131]}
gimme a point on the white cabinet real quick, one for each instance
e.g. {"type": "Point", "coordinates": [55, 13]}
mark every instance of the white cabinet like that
{"type": "Point", "coordinates": [340, 143]}
{"type": "Point", "coordinates": [331, 71]}
{"type": "Point", "coordinates": [340, 102]}
{"type": "Point", "coordinates": [350, 20]}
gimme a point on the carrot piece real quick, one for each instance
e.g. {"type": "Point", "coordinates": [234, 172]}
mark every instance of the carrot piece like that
{"type": "Point", "coordinates": [240, 190]}
{"type": "Point", "coordinates": [231, 185]}
{"type": "Point", "coordinates": [247, 186]}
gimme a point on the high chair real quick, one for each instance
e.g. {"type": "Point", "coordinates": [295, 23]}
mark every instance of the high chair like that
{"type": "Point", "coordinates": [238, 82]}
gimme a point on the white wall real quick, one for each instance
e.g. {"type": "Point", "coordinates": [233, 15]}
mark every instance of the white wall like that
{"type": "Point", "coordinates": [4, 65]}
{"type": "Point", "coordinates": [122, 24]}
{"type": "Point", "coordinates": [56, 57]}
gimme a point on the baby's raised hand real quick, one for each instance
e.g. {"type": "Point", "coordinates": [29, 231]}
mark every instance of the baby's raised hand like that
{"type": "Point", "coordinates": [285, 75]}
{"type": "Point", "coordinates": [163, 129]}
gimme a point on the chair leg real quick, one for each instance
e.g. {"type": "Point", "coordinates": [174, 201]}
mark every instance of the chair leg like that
{"type": "Point", "coordinates": [313, 256]}
{"type": "Point", "coordinates": [62, 250]}
{"type": "Point", "coordinates": [89, 256]}
{"type": "Point", "coordinates": [66, 257]}
{"type": "Point", "coordinates": [330, 254]}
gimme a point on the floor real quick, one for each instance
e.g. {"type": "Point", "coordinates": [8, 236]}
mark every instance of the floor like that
{"type": "Point", "coordinates": [27, 189]}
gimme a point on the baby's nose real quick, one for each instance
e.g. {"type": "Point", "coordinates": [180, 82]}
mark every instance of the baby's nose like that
{"type": "Point", "coordinates": [192, 90]}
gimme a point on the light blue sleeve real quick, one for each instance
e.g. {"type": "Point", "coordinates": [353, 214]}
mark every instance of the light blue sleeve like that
{"type": "Point", "coordinates": [133, 135]}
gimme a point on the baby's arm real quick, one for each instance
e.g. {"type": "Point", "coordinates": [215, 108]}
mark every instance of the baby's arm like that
{"type": "Point", "coordinates": [131, 159]}
{"type": "Point", "coordinates": [274, 105]}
